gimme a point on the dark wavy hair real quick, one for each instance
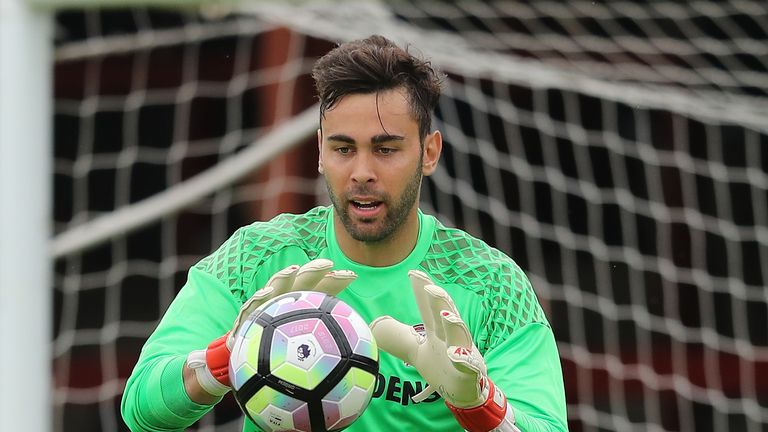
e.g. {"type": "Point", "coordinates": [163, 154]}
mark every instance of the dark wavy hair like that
{"type": "Point", "coordinates": [376, 64]}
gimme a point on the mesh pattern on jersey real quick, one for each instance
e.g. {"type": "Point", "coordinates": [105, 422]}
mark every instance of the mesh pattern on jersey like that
{"type": "Point", "coordinates": [457, 258]}
{"type": "Point", "coordinates": [236, 261]}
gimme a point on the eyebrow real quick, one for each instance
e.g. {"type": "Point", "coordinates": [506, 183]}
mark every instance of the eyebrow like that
{"type": "Point", "coordinates": [377, 139]}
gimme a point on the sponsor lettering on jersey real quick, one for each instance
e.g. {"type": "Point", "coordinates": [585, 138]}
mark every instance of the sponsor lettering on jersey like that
{"type": "Point", "coordinates": [395, 389]}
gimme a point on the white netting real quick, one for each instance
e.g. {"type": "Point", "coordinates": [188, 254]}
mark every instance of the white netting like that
{"type": "Point", "coordinates": [617, 151]}
{"type": "Point", "coordinates": [162, 120]}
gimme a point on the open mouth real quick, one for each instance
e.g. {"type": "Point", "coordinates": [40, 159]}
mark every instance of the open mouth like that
{"type": "Point", "coordinates": [366, 205]}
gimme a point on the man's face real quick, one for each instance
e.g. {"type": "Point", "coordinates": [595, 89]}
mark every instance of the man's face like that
{"type": "Point", "coordinates": [372, 161]}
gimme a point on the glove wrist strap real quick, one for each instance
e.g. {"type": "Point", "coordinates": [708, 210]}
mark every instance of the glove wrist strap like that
{"type": "Point", "coordinates": [211, 367]}
{"type": "Point", "coordinates": [196, 362]}
{"type": "Point", "coordinates": [486, 417]}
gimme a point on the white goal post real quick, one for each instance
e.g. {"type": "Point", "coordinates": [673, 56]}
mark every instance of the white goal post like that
{"type": "Point", "coordinates": [25, 205]}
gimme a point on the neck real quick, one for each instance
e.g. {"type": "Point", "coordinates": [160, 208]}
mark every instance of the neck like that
{"type": "Point", "coordinates": [386, 252]}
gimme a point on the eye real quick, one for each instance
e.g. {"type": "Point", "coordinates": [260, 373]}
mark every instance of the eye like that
{"type": "Point", "coordinates": [386, 150]}
{"type": "Point", "coordinates": [343, 150]}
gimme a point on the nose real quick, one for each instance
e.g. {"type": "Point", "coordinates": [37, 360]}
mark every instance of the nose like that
{"type": "Point", "coordinates": [363, 168]}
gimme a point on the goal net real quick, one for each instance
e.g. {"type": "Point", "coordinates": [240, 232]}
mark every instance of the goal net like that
{"type": "Point", "coordinates": [618, 152]}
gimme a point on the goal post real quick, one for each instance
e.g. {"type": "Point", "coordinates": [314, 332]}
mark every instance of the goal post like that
{"type": "Point", "coordinates": [25, 205]}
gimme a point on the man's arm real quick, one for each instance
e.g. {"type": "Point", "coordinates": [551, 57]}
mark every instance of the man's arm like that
{"type": "Point", "coordinates": [156, 396]}
{"type": "Point", "coordinates": [187, 391]}
{"type": "Point", "coordinates": [526, 367]}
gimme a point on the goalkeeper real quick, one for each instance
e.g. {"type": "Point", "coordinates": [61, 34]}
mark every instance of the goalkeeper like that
{"type": "Point", "coordinates": [466, 343]}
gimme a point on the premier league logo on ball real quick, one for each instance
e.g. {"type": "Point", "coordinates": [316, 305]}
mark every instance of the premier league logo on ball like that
{"type": "Point", "coordinates": [303, 351]}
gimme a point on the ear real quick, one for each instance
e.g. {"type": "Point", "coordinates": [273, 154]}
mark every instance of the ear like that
{"type": "Point", "coordinates": [320, 151]}
{"type": "Point", "coordinates": [433, 146]}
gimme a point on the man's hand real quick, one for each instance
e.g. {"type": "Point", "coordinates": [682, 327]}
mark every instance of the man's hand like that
{"type": "Point", "coordinates": [445, 357]}
{"type": "Point", "coordinates": [315, 275]}
{"type": "Point", "coordinates": [211, 365]}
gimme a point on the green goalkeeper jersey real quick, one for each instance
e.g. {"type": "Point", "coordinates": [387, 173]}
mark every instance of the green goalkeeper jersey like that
{"type": "Point", "coordinates": [492, 294]}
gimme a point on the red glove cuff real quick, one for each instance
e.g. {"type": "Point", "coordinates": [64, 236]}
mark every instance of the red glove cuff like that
{"type": "Point", "coordinates": [217, 359]}
{"type": "Point", "coordinates": [486, 417]}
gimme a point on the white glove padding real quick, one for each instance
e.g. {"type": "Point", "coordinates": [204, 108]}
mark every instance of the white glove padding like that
{"type": "Point", "coordinates": [446, 357]}
{"type": "Point", "coordinates": [315, 275]}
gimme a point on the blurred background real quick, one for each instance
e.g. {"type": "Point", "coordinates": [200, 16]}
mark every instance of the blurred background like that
{"type": "Point", "coordinates": [618, 151]}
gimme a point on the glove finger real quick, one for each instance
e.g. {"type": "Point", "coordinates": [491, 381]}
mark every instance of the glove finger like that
{"type": "Point", "coordinates": [250, 305]}
{"type": "Point", "coordinates": [396, 338]}
{"type": "Point", "coordinates": [439, 301]}
{"type": "Point", "coordinates": [456, 331]}
{"type": "Point", "coordinates": [257, 299]}
{"type": "Point", "coordinates": [461, 350]}
{"type": "Point", "coordinates": [467, 360]}
{"type": "Point", "coordinates": [335, 281]}
{"type": "Point", "coordinates": [418, 281]}
{"type": "Point", "coordinates": [283, 280]}
{"type": "Point", "coordinates": [310, 274]}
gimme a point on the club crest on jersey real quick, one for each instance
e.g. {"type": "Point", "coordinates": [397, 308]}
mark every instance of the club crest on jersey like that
{"type": "Point", "coordinates": [420, 329]}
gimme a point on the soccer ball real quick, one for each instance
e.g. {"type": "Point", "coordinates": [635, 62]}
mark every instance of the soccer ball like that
{"type": "Point", "coordinates": [303, 361]}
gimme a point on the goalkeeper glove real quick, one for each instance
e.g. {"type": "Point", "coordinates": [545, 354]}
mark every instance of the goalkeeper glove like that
{"type": "Point", "coordinates": [211, 365]}
{"type": "Point", "coordinates": [446, 358]}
